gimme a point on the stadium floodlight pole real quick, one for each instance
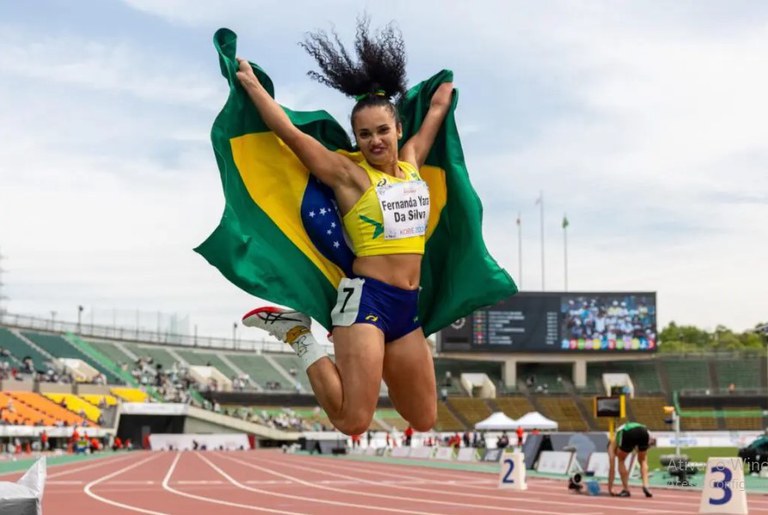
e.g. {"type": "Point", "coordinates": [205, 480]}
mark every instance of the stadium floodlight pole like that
{"type": "Point", "coordinates": [565, 248]}
{"type": "Point", "coordinates": [520, 251]}
{"type": "Point", "coordinates": [540, 202]}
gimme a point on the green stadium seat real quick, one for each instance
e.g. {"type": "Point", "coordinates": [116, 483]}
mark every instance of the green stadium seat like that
{"type": "Point", "coordinates": [59, 347]}
{"type": "Point", "coordinates": [20, 349]}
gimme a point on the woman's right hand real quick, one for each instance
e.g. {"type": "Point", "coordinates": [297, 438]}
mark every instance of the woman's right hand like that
{"type": "Point", "coordinates": [245, 73]}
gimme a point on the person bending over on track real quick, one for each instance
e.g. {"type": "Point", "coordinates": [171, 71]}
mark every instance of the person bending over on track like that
{"type": "Point", "coordinates": [629, 437]}
{"type": "Point", "coordinates": [376, 331]}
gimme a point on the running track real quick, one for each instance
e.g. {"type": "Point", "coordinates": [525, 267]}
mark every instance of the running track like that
{"type": "Point", "coordinates": [268, 481]}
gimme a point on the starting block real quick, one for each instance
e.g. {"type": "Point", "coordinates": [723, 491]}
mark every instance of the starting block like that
{"type": "Point", "coordinates": [724, 489]}
{"type": "Point", "coordinates": [512, 472]}
{"type": "Point", "coordinates": [582, 482]}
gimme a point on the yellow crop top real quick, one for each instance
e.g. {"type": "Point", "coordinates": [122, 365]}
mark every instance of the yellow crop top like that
{"type": "Point", "coordinates": [391, 216]}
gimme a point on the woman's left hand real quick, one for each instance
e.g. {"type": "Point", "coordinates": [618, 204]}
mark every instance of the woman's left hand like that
{"type": "Point", "coordinates": [442, 95]}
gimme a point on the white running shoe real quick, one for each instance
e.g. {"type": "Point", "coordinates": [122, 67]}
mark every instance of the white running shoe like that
{"type": "Point", "coordinates": [283, 324]}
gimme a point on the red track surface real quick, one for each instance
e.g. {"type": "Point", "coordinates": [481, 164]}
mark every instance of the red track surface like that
{"type": "Point", "coordinates": [272, 482]}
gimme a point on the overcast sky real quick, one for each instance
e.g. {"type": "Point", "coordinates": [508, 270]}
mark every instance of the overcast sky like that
{"type": "Point", "coordinates": [645, 122]}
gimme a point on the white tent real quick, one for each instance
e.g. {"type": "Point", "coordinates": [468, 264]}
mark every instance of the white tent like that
{"type": "Point", "coordinates": [497, 422]}
{"type": "Point", "coordinates": [535, 420]}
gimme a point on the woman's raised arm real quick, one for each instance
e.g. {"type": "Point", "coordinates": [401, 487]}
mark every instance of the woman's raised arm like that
{"type": "Point", "coordinates": [416, 149]}
{"type": "Point", "coordinates": [331, 168]}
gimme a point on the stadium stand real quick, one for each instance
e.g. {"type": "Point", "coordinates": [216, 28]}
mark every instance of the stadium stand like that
{"type": "Point", "coordinates": [76, 405]}
{"type": "Point", "coordinates": [689, 374]}
{"type": "Point", "coordinates": [599, 424]}
{"type": "Point", "coordinates": [744, 374]}
{"type": "Point", "coordinates": [514, 406]}
{"type": "Point", "coordinates": [293, 366]}
{"type": "Point", "coordinates": [552, 378]}
{"type": "Point", "coordinates": [130, 394]}
{"type": "Point", "coordinates": [59, 347]}
{"type": "Point", "coordinates": [446, 420]}
{"type": "Point", "coordinates": [46, 407]}
{"type": "Point", "coordinates": [472, 410]}
{"type": "Point", "coordinates": [701, 381]}
{"type": "Point", "coordinates": [113, 352]}
{"type": "Point", "coordinates": [97, 399]}
{"type": "Point", "coordinates": [700, 423]}
{"type": "Point", "coordinates": [262, 372]}
{"type": "Point", "coordinates": [564, 411]}
{"type": "Point", "coordinates": [456, 367]}
{"type": "Point", "coordinates": [206, 359]}
{"type": "Point", "coordinates": [157, 353]}
{"type": "Point", "coordinates": [644, 376]}
{"type": "Point", "coordinates": [17, 413]}
{"type": "Point", "coordinates": [19, 348]}
{"type": "Point", "coordinates": [650, 411]}
{"type": "Point", "coordinates": [752, 423]}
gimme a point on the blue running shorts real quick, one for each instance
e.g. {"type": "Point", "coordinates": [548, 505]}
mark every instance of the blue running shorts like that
{"type": "Point", "coordinates": [363, 300]}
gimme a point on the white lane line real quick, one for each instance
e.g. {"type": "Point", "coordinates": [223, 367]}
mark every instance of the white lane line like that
{"type": "Point", "coordinates": [390, 496]}
{"type": "Point", "coordinates": [166, 486]}
{"type": "Point", "coordinates": [90, 485]}
{"type": "Point", "coordinates": [92, 465]}
{"type": "Point", "coordinates": [417, 470]}
{"type": "Point", "coordinates": [311, 499]}
{"type": "Point", "coordinates": [433, 490]}
{"type": "Point", "coordinates": [554, 488]}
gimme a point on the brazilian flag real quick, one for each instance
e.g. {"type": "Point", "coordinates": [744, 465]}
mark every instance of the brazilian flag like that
{"type": "Point", "coordinates": [280, 237]}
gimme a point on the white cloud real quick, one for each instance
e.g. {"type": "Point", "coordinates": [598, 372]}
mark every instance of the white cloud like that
{"type": "Point", "coordinates": [646, 125]}
{"type": "Point", "coordinates": [116, 67]}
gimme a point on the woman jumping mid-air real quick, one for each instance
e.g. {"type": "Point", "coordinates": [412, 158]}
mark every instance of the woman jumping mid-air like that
{"type": "Point", "coordinates": [376, 330]}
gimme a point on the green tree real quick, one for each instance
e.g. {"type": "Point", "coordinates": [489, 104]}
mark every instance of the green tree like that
{"type": "Point", "coordinates": [687, 338]}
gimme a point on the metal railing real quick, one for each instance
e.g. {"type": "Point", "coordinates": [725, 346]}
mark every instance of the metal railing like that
{"type": "Point", "coordinates": [129, 334]}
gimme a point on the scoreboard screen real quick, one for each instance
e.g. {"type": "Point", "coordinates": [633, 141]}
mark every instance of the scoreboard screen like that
{"type": "Point", "coordinates": [558, 322]}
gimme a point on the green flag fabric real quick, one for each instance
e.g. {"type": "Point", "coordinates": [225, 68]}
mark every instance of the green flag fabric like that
{"type": "Point", "coordinates": [280, 236]}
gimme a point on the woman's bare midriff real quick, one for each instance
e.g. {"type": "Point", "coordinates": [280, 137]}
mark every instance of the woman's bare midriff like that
{"type": "Point", "coordinates": [401, 270]}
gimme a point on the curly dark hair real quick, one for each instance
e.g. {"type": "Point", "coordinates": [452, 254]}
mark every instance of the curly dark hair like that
{"type": "Point", "coordinates": [378, 78]}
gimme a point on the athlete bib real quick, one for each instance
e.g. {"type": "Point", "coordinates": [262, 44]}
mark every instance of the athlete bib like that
{"type": "Point", "coordinates": [404, 209]}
